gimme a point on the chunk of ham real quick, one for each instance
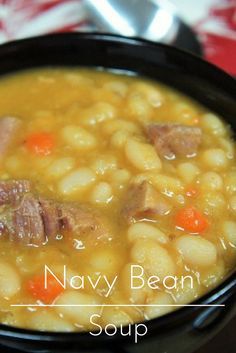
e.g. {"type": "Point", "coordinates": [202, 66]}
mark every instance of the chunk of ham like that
{"type": "Point", "coordinates": [81, 220]}
{"type": "Point", "coordinates": [50, 216]}
{"type": "Point", "coordinates": [27, 224]}
{"type": "Point", "coordinates": [73, 218]}
{"type": "Point", "coordinates": [171, 140]}
{"type": "Point", "coordinates": [9, 127]}
{"type": "Point", "coordinates": [32, 220]}
{"type": "Point", "coordinates": [143, 201]}
{"type": "Point", "coordinates": [12, 190]}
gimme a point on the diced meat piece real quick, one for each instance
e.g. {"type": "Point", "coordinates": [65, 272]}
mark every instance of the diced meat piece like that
{"type": "Point", "coordinates": [82, 221]}
{"type": "Point", "coordinates": [74, 219]}
{"type": "Point", "coordinates": [174, 139]}
{"type": "Point", "coordinates": [143, 201]}
{"type": "Point", "coordinates": [50, 217]}
{"type": "Point", "coordinates": [9, 126]}
{"type": "Point", "coordinates": [12, 190]}
{"type": "Point", "coordinates": [27, 225]}
{"type": "Point", "coordinates": [32, 220]}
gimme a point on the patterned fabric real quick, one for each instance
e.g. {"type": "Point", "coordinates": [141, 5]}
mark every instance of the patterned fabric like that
{"type": "Point", "coordinates": [217, 32]}
{"type": "Point", "coordinates": [214, 21]}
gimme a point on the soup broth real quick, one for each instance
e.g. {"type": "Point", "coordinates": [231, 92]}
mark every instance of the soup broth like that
{"type": "Point", "coordinates": [117, 199]}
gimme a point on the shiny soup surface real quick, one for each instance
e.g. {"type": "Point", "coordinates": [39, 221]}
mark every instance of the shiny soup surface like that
{"type": "Point", "coordinates": [114, 190]}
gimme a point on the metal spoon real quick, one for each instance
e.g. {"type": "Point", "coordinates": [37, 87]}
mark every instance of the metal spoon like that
{"type": "Point", "coordinates": [149, 19]}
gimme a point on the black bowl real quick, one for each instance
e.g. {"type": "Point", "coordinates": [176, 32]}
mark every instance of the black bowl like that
{"type": "Point", "coordinates": [186, 329]}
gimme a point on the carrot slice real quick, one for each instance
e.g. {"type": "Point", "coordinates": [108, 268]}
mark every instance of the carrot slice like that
{"type": "Point", "coordinates": [191, 220]}
{"type": "Point", "coordinates": [41, 143]}
{"type": "Point", "coordinates": [46, 292]}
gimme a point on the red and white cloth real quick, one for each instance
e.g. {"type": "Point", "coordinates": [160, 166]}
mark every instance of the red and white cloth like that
{"type": "Point", "coordinates": [213, 20]}
{"type": "Point", "coordinates": [215, 23]}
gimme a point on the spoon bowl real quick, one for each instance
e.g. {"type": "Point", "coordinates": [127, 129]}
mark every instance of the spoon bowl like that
{"type": "Point", "coordinates": [147, 19]}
